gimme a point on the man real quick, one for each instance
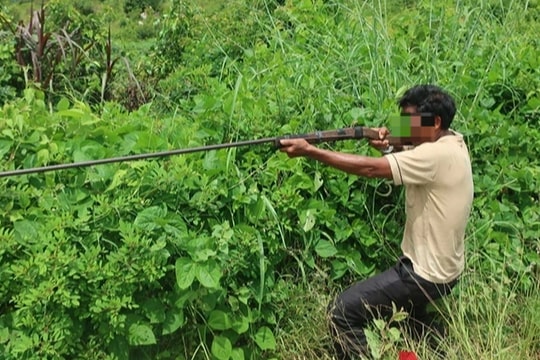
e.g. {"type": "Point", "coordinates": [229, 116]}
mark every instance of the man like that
{"type": "Point", "coordinates": [438, 184]}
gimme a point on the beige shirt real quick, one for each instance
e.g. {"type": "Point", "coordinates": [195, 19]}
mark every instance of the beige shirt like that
{"type": "Point", "coordinates": [439, 191]}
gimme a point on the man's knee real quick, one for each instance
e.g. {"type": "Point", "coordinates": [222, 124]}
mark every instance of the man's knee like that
{"type": "Point", "coordinates": [345, 315]}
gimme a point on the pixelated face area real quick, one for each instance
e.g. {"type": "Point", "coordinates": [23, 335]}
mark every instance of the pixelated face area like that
{"type": "Point", "coordinates": [412, 127]}
{"type": "Point", "coordinates": [419, 131]}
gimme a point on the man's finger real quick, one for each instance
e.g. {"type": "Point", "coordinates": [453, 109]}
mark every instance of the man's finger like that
{"type": "Point", "coordinates": [383, 133]}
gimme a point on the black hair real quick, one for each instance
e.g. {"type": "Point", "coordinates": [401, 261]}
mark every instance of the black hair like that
{"type": "Point", "coordinates": [430, 99]}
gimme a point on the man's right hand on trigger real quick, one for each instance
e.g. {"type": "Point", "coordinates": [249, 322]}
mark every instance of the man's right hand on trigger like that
{"type": "Point", "coordinates": [382, 143]}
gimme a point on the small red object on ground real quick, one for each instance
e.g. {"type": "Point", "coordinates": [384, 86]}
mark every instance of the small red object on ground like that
{"type": "Point", "coordinates": [407, 355]}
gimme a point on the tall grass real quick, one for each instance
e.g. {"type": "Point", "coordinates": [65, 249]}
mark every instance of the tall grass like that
{"type": "Point", "coordinates": [485, 319]}
{"type": "Point", "coordinates": [490, 319]}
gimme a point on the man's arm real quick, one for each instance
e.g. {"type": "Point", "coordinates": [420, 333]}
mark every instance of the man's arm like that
{"type": "Point", "coordinates": [353, 164]}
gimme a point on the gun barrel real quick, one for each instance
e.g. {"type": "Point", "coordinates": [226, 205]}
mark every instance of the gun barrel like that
{"type": "Point", "coordinates": [357, 132]}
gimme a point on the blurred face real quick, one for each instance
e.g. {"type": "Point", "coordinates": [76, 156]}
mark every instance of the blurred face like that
{"type": "Point", "coordinates": [422, 130]}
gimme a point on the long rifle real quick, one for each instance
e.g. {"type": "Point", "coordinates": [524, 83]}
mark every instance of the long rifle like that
{"type": "Point", "coordinates": [357, 132]}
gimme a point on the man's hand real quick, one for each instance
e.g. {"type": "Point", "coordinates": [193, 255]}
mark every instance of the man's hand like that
{"type": "Point", "coordinates": [295, 147]}
{"type": "Point", "coordinates": [382, 143]}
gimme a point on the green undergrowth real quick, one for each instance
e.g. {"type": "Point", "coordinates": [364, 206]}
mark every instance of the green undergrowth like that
{"type": "Point", "coordinates": [234, 254]}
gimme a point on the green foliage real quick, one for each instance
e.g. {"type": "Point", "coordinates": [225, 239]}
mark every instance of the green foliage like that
{"type": "Point", "coordinates": [194, 256]}
{"type": "Point", "coordinates": [10, 73]}
{"type": "Point", "coordinates": [384, 336]}
{"type": "Point", "coordinates": [172, 39]}
{"type": "Point", "coordinates": [129, 268]}
{"type": "Point", "coordinates": [64, 50]}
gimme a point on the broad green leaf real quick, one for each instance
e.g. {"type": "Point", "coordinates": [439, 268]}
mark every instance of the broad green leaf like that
{"type": "Point", "coordinates": [212, 161]}
{"type": "Point", "coordinates": [175, 224]}
{"type": "Point", "coordinates": [339, 268]}
{"type": "Point", "coordinates": [240, 324]}
{"type": "Point", "coordinates": [88, 150]}
{"type": "Point", "coordinates": [325, 248]}
{"type": "Point", "coordinates": [265, 339]}
{"type": "Point", "coordinates": [243, 294]}
{"type": "Point", "coordinates": [301, 181]}
{"type": "Point", "coordinates": [534, 102]}
{"type": "Point", "coordinates": [357, 113]}
{"type": "Point", "coordinates": [160, 244]}
{"type": "Point", "coordinates": [238, 354]}
{"type": "Point", "coordinates": [147, 141]}
{"type": "Point", "coordinates": [221, 348]}
{"type": "Point", "coordinates": [208, 274]}
{"type": "Point", "coordinates": [154, 310]}
{"type": "Point", "coordinates": [8, 133]}
{"type": "Point", "coordinates": [398, 314]}
{"type": "Point", "coordinates": [148, 219]}
{"type": "Point", "coordinates": [368, 240]}
{"type": "Point", "coordinates": [210, 299]}
{"type": "Point", "coordinates": [141, 334]}
{"type": "Point", "coordinates": [43, 156]}
{"type": "Point", "coordinates": [173, 321]}
{"type": "Point", "coordinates": [5, 146]}
{"type": "Point", "coordinates": [27, 230]}
{"type": "Point", "coordinates": [354, 262]}
{"type": "Point", "coordinates": [205, 103]}
{"type": "Point", "coordinates": [219, 320]}
{"type": "Point", "coordinates": [63, 104]}
{"type": "Point", "coordinates": [185, 272]}
{"type": "Point", "coordinates": [202, 255]}
{"type": "Point", "coordinates": [379, 324]}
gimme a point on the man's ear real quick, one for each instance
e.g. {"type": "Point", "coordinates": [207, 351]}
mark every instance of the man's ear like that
{"type": "Point", "coordinates": [438, 122]}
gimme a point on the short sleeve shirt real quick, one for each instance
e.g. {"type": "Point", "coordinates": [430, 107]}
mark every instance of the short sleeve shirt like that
{"type": "Point", "coordinates": [439, 191]}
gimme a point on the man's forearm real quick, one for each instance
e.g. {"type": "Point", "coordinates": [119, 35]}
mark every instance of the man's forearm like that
{"type": "Point", "coordinates": [351, 163]}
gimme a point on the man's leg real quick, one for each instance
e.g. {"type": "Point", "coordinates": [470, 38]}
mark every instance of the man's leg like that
{"type": "Point", "coordinates": [354, 309]}
{"type": "Point", "coordinates": [423, 292]}
{"type": "Point", "coordinates": [422, 324]}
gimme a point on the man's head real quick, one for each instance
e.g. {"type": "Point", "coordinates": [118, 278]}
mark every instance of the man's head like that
{"type": "Point", "coordinates": [429, 99]}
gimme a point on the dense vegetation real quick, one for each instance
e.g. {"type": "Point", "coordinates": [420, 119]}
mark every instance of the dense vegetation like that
{"type": "Point", "coordinates": [234, 254]}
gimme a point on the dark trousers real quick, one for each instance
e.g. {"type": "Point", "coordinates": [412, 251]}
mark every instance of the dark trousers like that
{"type": "Point", "coordinates": [354, 309]}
